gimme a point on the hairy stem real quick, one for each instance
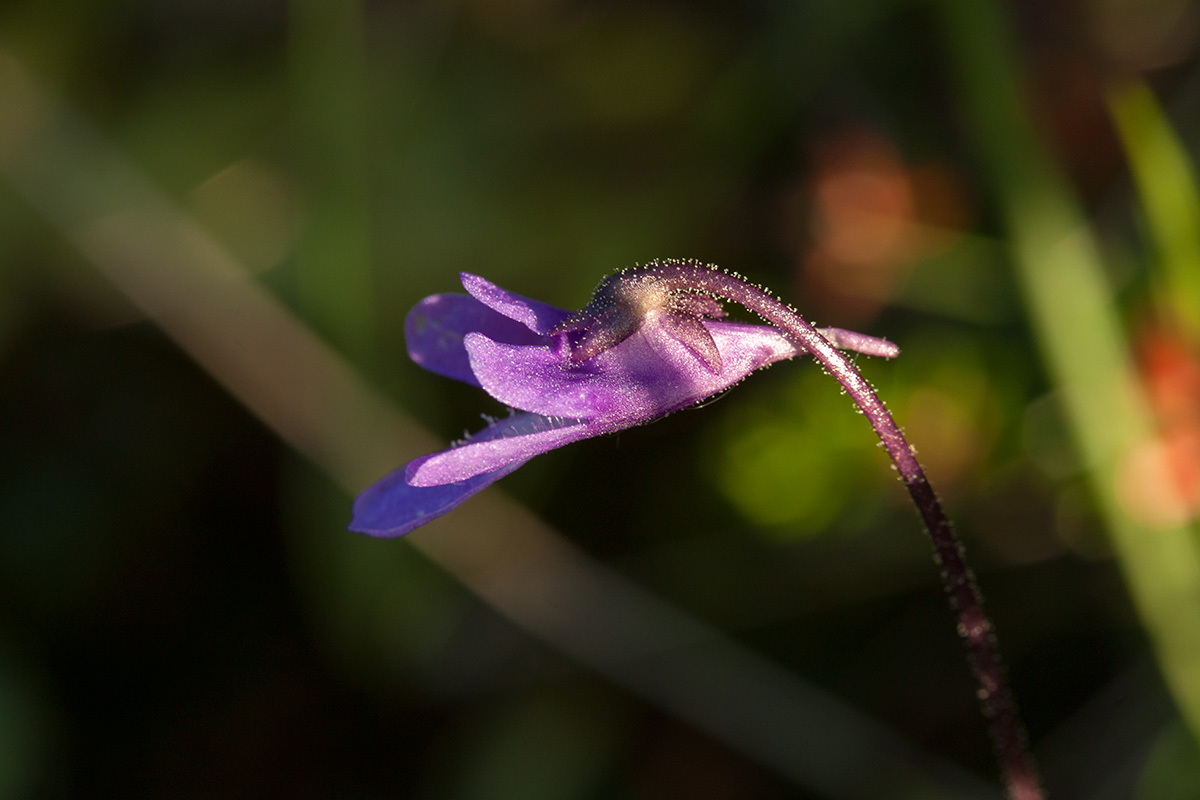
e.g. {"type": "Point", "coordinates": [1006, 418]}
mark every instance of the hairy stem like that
{"type": "Point", "coordinates": [996, 698]}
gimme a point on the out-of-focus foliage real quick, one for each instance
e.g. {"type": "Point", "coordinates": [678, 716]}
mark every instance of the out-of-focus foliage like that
{"type": "Point", "coordinates": [183, 612]}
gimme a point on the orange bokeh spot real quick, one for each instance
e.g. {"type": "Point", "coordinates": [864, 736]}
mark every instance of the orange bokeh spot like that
{"type": "Point", "coordinates": [870, 217]}
{"type": "Point", "coordinates": [1161, 477]}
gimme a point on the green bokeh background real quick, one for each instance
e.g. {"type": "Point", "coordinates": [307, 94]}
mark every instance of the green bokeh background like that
{"type": "Point", "coordinates": [182, 613]}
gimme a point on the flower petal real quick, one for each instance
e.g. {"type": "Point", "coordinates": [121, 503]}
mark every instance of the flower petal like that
{"type": "Point", "coordinates": [391, 507]}
{"type": "Point", "coordinates": [648, 375]}
{"type": "Point", "coordinates": [435, 327]}
{"type": "Point", "coordinates": [860, 342]}
{"type": "Point", "coordinates": [533, 314]}
{"type": "Point", "coordinates": [513, 440]}
{"type": "Point", "coordinates": [690, 332]}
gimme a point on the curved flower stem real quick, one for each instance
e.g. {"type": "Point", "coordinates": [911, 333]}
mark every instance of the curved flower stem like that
{"type": "Point", "coordinates": [996, 698]}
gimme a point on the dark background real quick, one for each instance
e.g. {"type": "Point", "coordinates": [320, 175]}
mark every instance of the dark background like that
{"type": "Point", "coordinates": [177, 618]}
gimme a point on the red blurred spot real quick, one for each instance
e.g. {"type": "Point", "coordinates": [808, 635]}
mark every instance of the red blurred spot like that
{"type": "Point", "coordinates": [1162, 476]}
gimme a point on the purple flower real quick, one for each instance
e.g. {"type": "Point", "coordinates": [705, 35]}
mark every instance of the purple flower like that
{"type": "Point", "coordinates": [614, 365]}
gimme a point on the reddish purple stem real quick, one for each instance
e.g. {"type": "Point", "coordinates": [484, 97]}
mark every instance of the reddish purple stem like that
{"type": "Point", "coordinates": [999, 707]}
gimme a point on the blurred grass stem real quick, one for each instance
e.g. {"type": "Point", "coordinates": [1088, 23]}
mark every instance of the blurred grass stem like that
{"type": "Point", "coordinates": [1166, 185]}
{"type": "Point", "coordinates": [333, 266]}
{"type": "Point", "coordinates": [1080, 335]}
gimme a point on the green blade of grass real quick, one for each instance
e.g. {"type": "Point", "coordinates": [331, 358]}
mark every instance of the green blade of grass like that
{"type": "Point", "coordinates": [1078, 329]}
{"type": "Point", "coordinates": [1166, 186]}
